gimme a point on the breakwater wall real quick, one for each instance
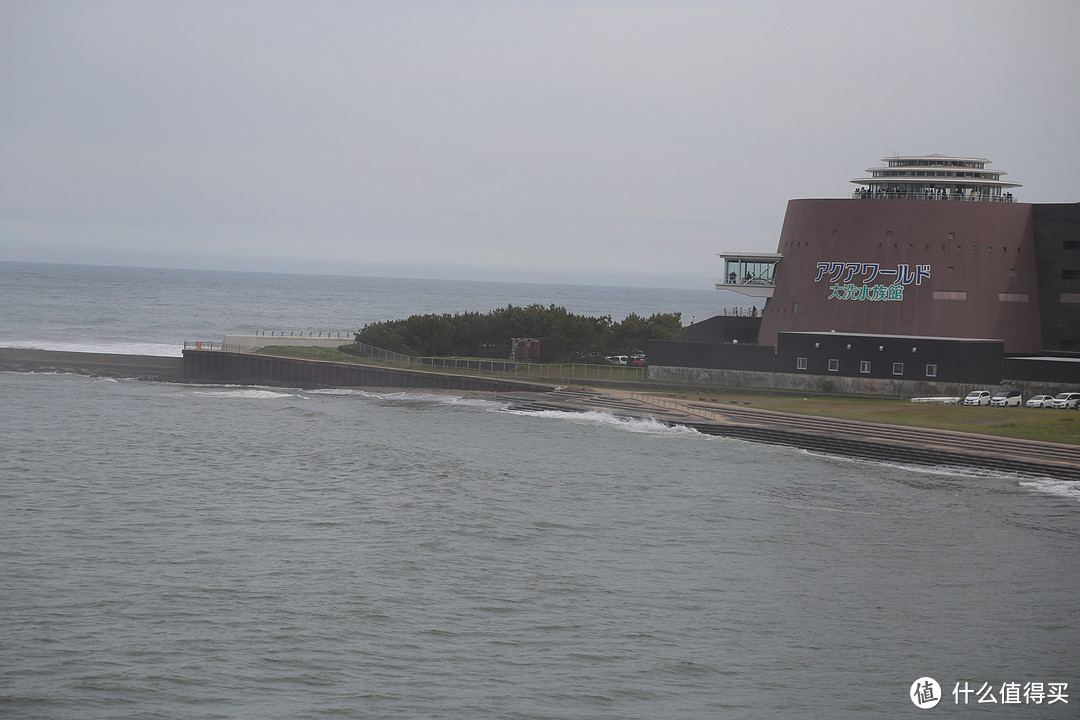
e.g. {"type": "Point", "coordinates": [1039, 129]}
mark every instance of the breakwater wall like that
{"type": "Point", "coordinates": [250, 369]}
{"type": "Point", "coordinates": [152, 367]}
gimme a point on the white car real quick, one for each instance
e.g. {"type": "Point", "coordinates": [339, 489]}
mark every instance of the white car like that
{"type": "Point", "coordinates": [977, 397]}
{"type": "Point", "coordinates": [1066, 401]}
{"type": "Point", "coordinates": [1041, 401]}
{"type": "Point", "coordinates": [1006, 398]}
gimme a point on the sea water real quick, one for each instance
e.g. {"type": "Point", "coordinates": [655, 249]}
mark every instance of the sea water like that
{"type": "Point", "coordinates": [172, 550]}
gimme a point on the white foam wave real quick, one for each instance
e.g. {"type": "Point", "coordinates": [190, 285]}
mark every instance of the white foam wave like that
{"type": "Point", "coordinates": [604, 417]}
{"type": "Point", "coordinates": [246, 393]}
{"type": "Point", "coordinates": [938, 470]}
{"type": "Point", "coordinates": [1061, 488]}
{"type": "Point", "coordinates": [417, 398]}
{"type": "Point", "coordinates": [111, 348]}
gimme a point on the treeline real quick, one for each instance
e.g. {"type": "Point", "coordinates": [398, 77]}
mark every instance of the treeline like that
{"type": "Point", "coordinates": [567, 337]}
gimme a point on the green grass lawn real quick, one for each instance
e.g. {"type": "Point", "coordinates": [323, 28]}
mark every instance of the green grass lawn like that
{"type": "Point", "coordinates": [304, 352]}
{"type": "Point", "coordinates": [1061, 426]}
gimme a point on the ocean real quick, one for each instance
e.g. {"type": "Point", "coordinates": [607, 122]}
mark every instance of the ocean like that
{"type": "Point", "coordinates": [173, 550]}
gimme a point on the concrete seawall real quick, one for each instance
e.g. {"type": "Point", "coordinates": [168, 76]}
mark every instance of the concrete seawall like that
{"type": "Point", "coordinates": [85, 363]}
{"type": "Point", "coordinates": [215, 366]}
{"type": "Point", "coordinates": [869, 441]}
{"type": "Point", "coordinates": [249, 368]}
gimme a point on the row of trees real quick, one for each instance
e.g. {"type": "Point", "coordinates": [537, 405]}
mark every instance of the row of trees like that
{"type": "Point", "coordinates": [568, 337]}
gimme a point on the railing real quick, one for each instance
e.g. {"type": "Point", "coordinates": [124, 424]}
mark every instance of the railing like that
{"type": "Point", "coordinates": [218, 346]}
{"type": "Point", "coordinates": [680, 405]}
{"type": "Point", "coordinates": [749, 312]}
{"type": "Point", "coordinates": [934, 196]}
{"type": "Point", "coordinates": [386, 356]}
{"type": "Point", "coordinates": [541, 371]}
{"type": "Point", "coordinates": [499, 366]}
{"type": "Point", "coordinates": [307, 333]}
{"type": "Point", "coordinates": [583, 371]}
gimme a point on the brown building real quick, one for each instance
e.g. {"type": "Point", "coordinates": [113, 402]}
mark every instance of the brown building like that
{"type": "Point", "coordinates": [930, 246]}
{"type": "Point", "coordinates": [929, 277]}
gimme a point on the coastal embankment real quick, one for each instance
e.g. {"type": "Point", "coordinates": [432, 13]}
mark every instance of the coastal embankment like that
{"type": "Point", "coordinates": [150, 367]}
{"type": "Point", "coordinates": [878, 442]}
{"type": "Point", "coordinates": [869, 441]}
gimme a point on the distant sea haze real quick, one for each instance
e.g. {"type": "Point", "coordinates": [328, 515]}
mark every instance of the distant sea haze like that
{"type": "Point", "coordinates": [153, 311]}
{"type": "Point", "coordinates": [175, 550]}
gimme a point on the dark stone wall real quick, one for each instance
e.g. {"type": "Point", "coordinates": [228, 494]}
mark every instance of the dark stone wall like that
{"type": "Point", "coordinates": [1062, 372]}
{"type": "Point", "coordinates": [711, 355]}
{"type": "Point", "coordinates": [723, 329]}
{"type": "Point", "coordinates": [960, 361]}
{"type": "Point", "coordinates": [1056, 229]}
{"type": "Point", "coordinates": [84, 363]}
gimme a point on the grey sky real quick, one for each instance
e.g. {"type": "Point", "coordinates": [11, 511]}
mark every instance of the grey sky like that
{"type": "Point", "coordinates": [585, 141]}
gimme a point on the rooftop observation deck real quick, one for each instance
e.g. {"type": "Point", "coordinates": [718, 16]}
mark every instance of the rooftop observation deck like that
{"type": "Point", "coordinates": [935, 177]}
{"type": "Point", "coordinates": [750, 274]}
{"type": "Point", "coordinates": [935, 195]}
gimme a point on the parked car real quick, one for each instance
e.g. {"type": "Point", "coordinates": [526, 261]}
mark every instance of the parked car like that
{"type": "Point", "coordinates": [1041, 401]}
{"type": "Point", "coordinates": [1006, 398]}
{"type": "Point", "coordinates": [977, 397]}
{"type": "Point", "coordinates": [616, 359]}
{"type": "Point", "coordinates": [1066, 401]}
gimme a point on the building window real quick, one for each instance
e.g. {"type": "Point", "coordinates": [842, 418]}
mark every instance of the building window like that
{"type": "Point", "coordinates": [834, 365]}
{"type": "Point", "coordinates": [898, 368]}
{"type": "Point", "coordinates": [931, 371]}
{"type": "Point", "coordinates": [950, 294]}
{"type": "Point", "coordinates": [1013, 297]}
{"type": "Point", "coordinates": [1070, 298]}
{"type": "Point", "coordinates": [864, 367]}
{"type": "Point", "coordinates": [800, 363]}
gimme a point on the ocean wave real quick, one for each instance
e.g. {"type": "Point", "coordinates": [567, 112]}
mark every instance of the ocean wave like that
{"type": "Point", "coordinates": [1061, 488]}
{"type": "Point", "coordinates": [250, 393]}
{"type": "Point", "coordinates": [950, 471]}
{"type": "Point", "coordinates": [418, 398]}
{"type": "Point", "coordinates": [647, 425]}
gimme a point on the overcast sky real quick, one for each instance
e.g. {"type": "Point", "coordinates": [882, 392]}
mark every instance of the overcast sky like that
{"type": "Point", "coordinates": [588, 141]}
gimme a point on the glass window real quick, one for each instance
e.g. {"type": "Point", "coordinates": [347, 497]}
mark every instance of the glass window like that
{"type": "Point", "coordinates": [834, 365]}
{"type": "Point", "coordinates": [864, 367]}
{"type": "Point", "coordinates": [931, 371]}
{"type": "Point", "coordinates": [800, 363]}
{"type": "Point", "coordinates": [898, 368]}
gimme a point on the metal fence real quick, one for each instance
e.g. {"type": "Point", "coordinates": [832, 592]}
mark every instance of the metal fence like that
{"type": "Point", "coordinates": [499, 366]}
{"type": "Point", "coordinates": [583, 371]}
{"type": "Point", "coordinates": [385, 356]}
{"type": "Point", "coordinates": [340, 335]}
{"type": "Point", "coordinates": [537, 371]}
{"type": "Point", "coordinates": [219, 346]}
